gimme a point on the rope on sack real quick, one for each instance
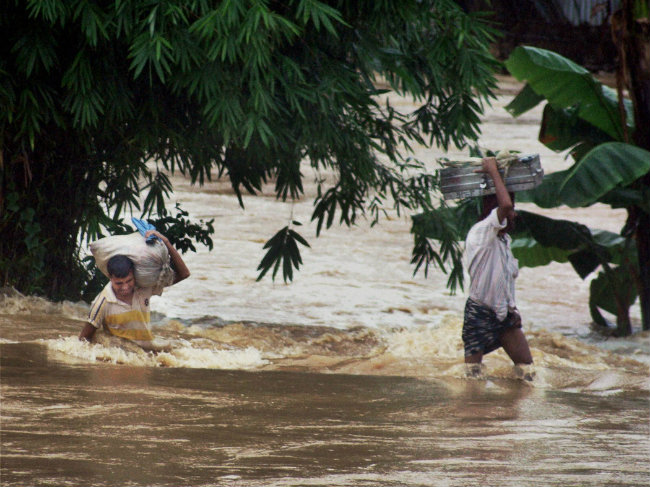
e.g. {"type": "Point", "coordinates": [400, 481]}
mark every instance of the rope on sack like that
{"type": "Point", "coordinates": [166, 277]}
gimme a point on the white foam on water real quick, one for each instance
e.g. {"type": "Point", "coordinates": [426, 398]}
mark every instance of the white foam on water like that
{"type": "Point", "coordinates": [17, 304]}
{"type": "Point", "coordinates": [440, 340]}
{"type": "Point", "coordinates": [182, 354]}
{"type": "Point", "coordinates": [190, 357]}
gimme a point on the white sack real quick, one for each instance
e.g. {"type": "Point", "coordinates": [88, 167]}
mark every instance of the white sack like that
{"type": "Point", "coordinates": [151, 260]}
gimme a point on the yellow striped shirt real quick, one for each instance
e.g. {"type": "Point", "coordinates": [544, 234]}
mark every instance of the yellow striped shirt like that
{"type": "Point", "coordinates": [130, 321]}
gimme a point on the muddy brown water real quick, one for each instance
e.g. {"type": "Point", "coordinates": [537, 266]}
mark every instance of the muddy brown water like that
{"type": "Point", "coordinates": [352, 375]}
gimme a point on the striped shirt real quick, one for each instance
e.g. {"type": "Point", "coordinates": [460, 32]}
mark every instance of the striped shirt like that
{"type": "Point", "coordinates": [492, 267]}
{"type": "Point", "coordinates": [130, 321]}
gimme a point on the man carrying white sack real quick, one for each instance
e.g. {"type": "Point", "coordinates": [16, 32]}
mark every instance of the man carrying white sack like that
{"type": "Point", "coordinates": [122, 308]}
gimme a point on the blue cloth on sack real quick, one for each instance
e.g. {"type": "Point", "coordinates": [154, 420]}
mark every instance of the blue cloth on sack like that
{"type": "Point", "coordinates": [143, 227]}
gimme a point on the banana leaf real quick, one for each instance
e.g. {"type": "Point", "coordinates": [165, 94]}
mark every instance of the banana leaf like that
{"type": "Point", "coordinates": [546, 194]}
{"type": "Point", "coordinates": [566, 84]}
{"type": "Point", "coordinates": [604, 168]}
{"type": "Point", "coordinates": [539, 240]}
{"type": "Point", "coordinates": [602, 175]}
{"type": "Point", "coordinates": [626, 197]}
{"type": "Point", "coordinates": [525, 100]}
{"type": "Point", "coordinates": [562, 129]}
{"type": "Point", "coordinates": [530, 253]}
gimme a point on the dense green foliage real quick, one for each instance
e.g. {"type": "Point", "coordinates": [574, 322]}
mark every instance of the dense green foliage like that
{"type": "Point", "coordinates": [99, 100]}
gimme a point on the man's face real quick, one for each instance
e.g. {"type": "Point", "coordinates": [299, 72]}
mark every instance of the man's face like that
{"type": "Point", "coordinates": [123, 287]}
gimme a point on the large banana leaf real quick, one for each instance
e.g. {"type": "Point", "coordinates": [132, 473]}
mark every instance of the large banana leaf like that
{"type": "Point", "coordinates": [626, 197]}
{"type": "Point", "coordinates": [546, 194]}
{"type": "Point", "coordinates": [525, 100]}
{"type": "Point", "coordinates": [603, 174]}
{"type": "Point", "coordinates": [565, 84]}
{"type": "Point", "coordinates": [562, 129]}
{"type": "Point", "coordinates": [603, 169]}
{"type": "Point", "coordinates": [539, 240]}
{"type": "Point", "coordinates": [530, 253]}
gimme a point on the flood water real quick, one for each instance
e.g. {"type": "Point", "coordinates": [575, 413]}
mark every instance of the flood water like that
{"type": "Point", "coordinates": [352, 375]}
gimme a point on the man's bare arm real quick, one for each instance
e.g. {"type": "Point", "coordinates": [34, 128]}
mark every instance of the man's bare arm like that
{"type": "Point", "coordinates": [506, 206]}
{"type": "Point", "coordinates": [87, 332]}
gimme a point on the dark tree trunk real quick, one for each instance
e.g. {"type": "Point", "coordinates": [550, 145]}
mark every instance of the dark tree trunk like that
{"type": "Point", "coordinates": [635, 42]}
{"type": "Point", "coordinates": [643, 246]}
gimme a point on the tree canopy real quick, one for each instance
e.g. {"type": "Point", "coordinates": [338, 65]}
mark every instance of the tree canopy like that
{"type": "Point", "coordinates": [100, 99]}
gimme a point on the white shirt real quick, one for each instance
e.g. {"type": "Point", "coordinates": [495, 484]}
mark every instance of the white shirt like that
{"type": "Point", "coordinates": [492, 267]}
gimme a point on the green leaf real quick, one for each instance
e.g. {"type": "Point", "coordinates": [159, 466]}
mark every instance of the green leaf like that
{"type": "Point", "coordinates": [525, 100]}
{"type": "Point", "coordinates": [52, 10]}
{"type": "Point", "coordinates": [447, 226]}
{"type": "Point", "coordinates": [604, 168]}
{"type": "Point", "coordinates": [282, 251]}
{"type": "Point", "coordinates": [94, 92]}
{"type": "Point", "coordinates": [530, 253]}
{"type": "Point", "coordinates": [562, 129]}
{"type": "Point", "coordinates": [565, 84]}
{"type": "Point", "coordinates": [625, 198]}
{"type": "Point", "coordinates": [563, 234]}
{"type": "Point", "coordinates": [320, 13]}
{"type": "Point", "coordinates": [584, 262]}
{"type": "Point", "coordinates": [295, 235]}
{"type": "Point", "coordinates": [539, 240]}
{"type": "Point", "coordinates": [546, 194]}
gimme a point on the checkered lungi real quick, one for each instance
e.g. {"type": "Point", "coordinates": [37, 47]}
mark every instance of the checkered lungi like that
{"type": "Point", "coordinates": [482, 329]}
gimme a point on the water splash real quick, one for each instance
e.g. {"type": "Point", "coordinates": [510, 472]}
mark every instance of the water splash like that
{"type": "Point", "coordinates": [179, 354]}
{"type": "Point", "coordinates": [427, 352]}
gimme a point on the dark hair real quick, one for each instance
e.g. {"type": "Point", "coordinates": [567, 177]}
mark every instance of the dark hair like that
{"type": "Point", "coordinates": [489, 202]}
{"type": "Point", "coordinates": [119, 266]}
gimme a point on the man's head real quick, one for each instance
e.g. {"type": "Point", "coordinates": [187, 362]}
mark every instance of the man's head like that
{"type": "Point", "coordinates": [119, 266]}
{"type": "Point", "coordinates": [489, 203]}
{"type": "Point", "coordinates": [120, 272]}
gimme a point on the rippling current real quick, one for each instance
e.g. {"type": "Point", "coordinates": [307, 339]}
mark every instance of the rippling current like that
{"type": "Point", "coordinates": [350, 375]}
